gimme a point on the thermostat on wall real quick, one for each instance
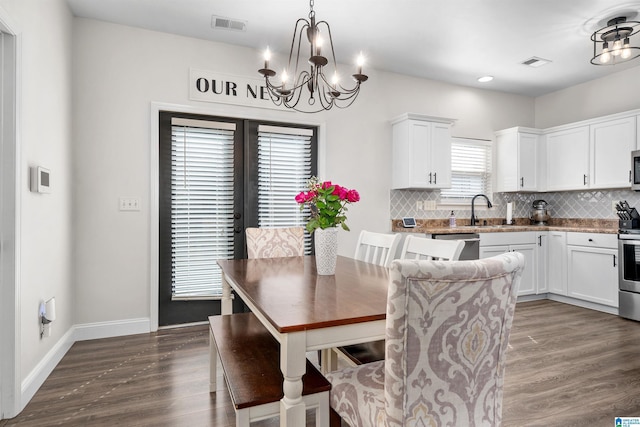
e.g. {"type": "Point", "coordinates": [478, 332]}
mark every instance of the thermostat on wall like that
{"type": "Point", "coordinates": [408, 222]}
{"type": "Point", "coordinates": [40, 180]}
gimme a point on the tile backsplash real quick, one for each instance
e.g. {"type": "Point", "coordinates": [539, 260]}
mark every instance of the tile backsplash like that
{"type": "Point", "coordinates": [594, 204]}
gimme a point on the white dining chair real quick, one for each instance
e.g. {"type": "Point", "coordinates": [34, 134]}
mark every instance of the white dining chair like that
{"type": "Point", "coordinates": [432, 249]}
{"type": "Point", "coordinates": [417, 248]}
{"type": "Point", "coordinates": [377, 248]}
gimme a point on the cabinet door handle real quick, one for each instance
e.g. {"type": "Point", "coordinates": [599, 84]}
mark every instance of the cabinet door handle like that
{"type": "Point", "coordinates": [435, 177]}
{"type": "Point", "coordinates": [629, 176]}
{"type": "Point", "coordinates": [539, 240]}
{"type": "Point", "coordinates": [429, 177]}
{"type": "Point", "coordinates": [522, 181]}
{"type": "Point", "coordinates": [614, 260]}
{"type": "Point", "coordinates": [591, 240]}
{"type": "Point", "coordinates": [584, 180]}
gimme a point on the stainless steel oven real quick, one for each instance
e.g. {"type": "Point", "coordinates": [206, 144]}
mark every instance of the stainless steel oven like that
{"type": "Point", "coordinates": [629, 274]}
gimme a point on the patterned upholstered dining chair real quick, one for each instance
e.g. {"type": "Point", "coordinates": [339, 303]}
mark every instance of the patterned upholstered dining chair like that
{"type": "Point", "coordinates": [275, 242]}
{"type": "Point", "coordinates": [414, 247]}
{"type": "Point", "coordinates": [448, 326]}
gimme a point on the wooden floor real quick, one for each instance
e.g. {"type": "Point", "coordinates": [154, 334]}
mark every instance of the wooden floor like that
{"type": "Point", "coordinates": [567, 366]}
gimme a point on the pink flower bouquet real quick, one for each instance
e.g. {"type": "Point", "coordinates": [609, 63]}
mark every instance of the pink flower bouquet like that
{"type": "Point", "coordinates": [328, 203]}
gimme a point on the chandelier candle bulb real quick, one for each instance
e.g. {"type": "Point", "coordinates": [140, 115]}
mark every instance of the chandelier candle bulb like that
{"type": "Point", "coordinates": [267, 57]}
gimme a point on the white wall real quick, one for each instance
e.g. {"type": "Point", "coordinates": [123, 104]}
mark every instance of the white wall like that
{"type": "Point", "coordinates": [45, 140]}
{"type": "Point", "coordinates": [608, 95]}
{"type": "Point", "coordinates": [100, 106]}
{"type": "Point", "coordinates": [120, 70]}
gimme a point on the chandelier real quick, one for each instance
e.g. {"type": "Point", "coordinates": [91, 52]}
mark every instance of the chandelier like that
{"type": "Point", "coordinates": [615, 41]}
{"type": "Point", "coordinates": [310, 75]}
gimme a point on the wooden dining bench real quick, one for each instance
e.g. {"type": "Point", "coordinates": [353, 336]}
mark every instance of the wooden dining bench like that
{"type": "Point", "coordinates": [250, 360]}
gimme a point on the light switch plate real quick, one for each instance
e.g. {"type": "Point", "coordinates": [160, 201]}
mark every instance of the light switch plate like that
{"type": "Point", "coordinates": [129, 204]}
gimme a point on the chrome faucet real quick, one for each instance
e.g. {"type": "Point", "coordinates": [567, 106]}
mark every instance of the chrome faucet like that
{"type": "Point", "coordinates": [473, 211]}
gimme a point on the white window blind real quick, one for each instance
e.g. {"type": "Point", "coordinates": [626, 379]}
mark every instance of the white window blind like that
{"type": "Point", "coordinates": [284, 167]}
{"type": "Point", "coordinates": [470, 170]}
{"type": "Point", "coordinates": [202, 206]}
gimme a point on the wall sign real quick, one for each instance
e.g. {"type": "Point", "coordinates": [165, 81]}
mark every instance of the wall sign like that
{"type": "Point", "coordinates": [209, 86]}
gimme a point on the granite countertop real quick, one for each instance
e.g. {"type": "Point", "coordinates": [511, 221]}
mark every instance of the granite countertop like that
{"type": "Point", "coordinates": [494, 225]}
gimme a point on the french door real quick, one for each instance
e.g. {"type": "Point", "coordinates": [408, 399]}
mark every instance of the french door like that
{"type": "Point", "coordinates": [218, 176]}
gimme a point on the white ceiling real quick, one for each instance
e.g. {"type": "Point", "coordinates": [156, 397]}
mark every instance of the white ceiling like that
{"type": "Point", "coordinates": [454, 41]}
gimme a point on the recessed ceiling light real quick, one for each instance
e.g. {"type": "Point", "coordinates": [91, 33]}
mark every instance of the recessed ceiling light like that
{"type": "Point", "coordinates": [485, 79]}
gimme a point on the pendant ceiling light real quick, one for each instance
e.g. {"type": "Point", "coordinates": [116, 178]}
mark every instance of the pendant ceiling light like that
{"type": "Point", "coordinates": [308, 74]}
{"type": "Point", "coordinates": [615, 43]}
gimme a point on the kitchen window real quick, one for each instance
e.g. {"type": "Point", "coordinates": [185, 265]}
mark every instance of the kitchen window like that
{"type": "Point", "coordinates": [471, 168]}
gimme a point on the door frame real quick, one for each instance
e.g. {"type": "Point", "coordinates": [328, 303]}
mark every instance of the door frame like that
{"type": "Point", "coordinates": [11, 172]}
{"type": "Point", "coordinates": [216, 109]}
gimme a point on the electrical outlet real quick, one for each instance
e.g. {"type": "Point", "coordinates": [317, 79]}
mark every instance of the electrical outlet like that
{"type": "Point", "coordinates": [129, 204]}
{"type": "Point", "coordinates": [613, 207]}
{"type": "Point", "coordinates": [419, 205]}
{"type": "Point", "coordinates": [429, 205]}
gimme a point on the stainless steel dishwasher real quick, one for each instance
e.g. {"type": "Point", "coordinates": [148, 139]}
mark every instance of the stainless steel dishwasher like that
{"type": "Point", "coordinates": [471, 248]}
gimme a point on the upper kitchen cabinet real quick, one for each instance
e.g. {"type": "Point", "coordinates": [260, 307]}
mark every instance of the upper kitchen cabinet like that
{"type": "Point", "coordinates": [517, 159]}
{"type": "Point", "coordinates": [568, 158]}
{"type": "Point", "coordinates": [594, 155]}
{"type": "Point", "coordinates": [611, 143]}
{"type": "Point", "coordinates": [421, 152]}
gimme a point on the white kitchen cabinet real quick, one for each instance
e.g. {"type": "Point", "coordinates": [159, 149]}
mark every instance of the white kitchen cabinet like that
{"type": "Point", "coordinates": [542, 239]}
{"type": "Point", "coordinates": [591, 156]}
{"type": "Point", "coordinates": [557, 262]}
{"type": "Point", "coordinates": [592, 268]}
{"type": "Point", "coordinates": [517, 159]}
{"type": "Point", "coordinates": [421, 153]}
{"type": "Point", "coordinates": [568, 159]}
{"type": "Point", "coordinates": [492, 244]}
{"type": "Point", "coordinates": [611, 143]}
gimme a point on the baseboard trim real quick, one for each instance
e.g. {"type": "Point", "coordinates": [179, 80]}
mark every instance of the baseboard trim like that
{"type": "Point", "coordinates": [583, 304]}
{"type": "Point", "coordinates": [43, 369]}
{"type": "Point", "coordinates": [82, 332]}
{"type": "Point", "coordinates": [118, 328]}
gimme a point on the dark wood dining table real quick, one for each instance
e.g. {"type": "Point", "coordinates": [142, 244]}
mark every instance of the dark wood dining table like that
{"type": "Point", "coordinates": [305, 311]}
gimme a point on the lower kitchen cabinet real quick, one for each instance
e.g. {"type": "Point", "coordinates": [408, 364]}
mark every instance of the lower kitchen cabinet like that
{"type": "Point", "coordinates": [492, 244]}
{"type": "Point", "coordinates": [542, 239]}
{"type": "Point", "coordinates": [580, 267]}
{"type": "Point", "coordinates": [557, 262]}
{"type": "Point", "coordinates": [592, 268]}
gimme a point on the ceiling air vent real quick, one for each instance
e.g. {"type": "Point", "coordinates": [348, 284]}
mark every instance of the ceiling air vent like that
{"type": "Point", "coordinates": [222, 23]}
{"type": "Point", "coordinates": [535, 62]}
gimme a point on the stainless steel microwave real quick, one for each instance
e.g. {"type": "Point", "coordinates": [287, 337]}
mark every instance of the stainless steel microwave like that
{"type": "Point", "coordinates": [635, 170]}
